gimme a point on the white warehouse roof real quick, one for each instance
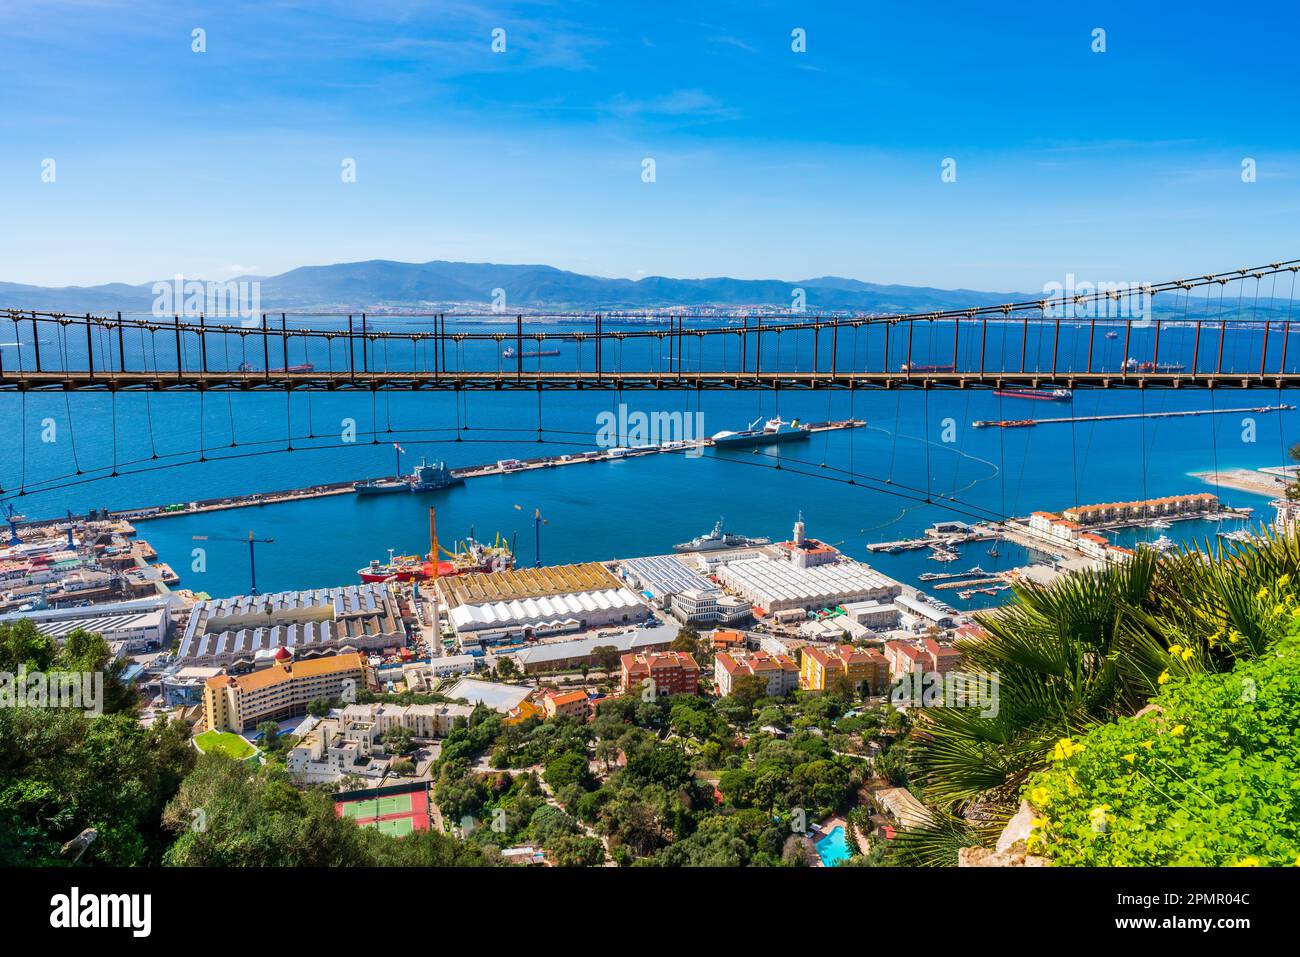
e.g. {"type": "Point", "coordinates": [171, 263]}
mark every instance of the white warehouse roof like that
{"type": "Point", "coordinates": [771, 581]}
{"type": "Point", "coordinates": [549, 608]}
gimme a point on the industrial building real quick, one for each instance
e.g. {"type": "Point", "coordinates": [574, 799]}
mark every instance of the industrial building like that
{"type": "Point", "coordinates": [487, 609]}
{"type": "Point", "coordinates": [558, 655]}
{"type": "Point", "coordinates": [229, 631]}
{"type": "Point", "coordinates": [495, 695]}
{"type": "Point", "coordinates": [661, 577]}
{"type": "Point", "coordinates": [776, 585]}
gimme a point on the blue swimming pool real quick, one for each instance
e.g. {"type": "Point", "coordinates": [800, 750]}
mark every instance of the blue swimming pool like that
{"type": "Point", "coordinates": [834, 847]}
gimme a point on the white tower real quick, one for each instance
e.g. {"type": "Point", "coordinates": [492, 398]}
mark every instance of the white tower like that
{"type": "Point", "coordinates": [798, 530]}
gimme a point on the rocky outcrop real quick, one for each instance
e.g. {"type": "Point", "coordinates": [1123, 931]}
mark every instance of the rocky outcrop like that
{"type": "Point", "coordinates": [1010, 850]}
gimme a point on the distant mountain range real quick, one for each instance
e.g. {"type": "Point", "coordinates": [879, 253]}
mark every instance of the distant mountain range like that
{"type": "Point", "coordinates": [385, 286]}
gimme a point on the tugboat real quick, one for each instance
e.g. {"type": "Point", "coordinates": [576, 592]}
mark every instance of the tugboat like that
{"type": "Point", "coordinates": [773, 430]}
{"type": "Point", "coordinates": [719, 539]}
{"type": "Point", "coordinates": [513, 353]}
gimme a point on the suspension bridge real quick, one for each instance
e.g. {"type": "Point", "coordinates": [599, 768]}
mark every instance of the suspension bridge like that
{"type": "Point", "coordinates": [1223, 330]}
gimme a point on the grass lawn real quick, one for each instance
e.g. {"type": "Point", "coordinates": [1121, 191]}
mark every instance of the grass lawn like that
{"type": "Point", "coordinates": [224, 742]}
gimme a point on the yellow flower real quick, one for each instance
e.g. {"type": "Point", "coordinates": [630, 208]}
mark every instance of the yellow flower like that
{"type": "Point", "coordinates": [1163, 679]}
{"type": "Point", "coordinates": [1297, 861]}
{"type": "Point", "coordinates": [1284, 581]}
{"type": "Point", "coordinates": [1187, 654]}
{"type": "Point", "coordinates": [1148, 744]}
{"type": "Point", "coordinates": [1262, 593]}
{"type": "Point", "coordinates": [1177, 730]}
{"type": "Point", "coordinates": [1130, 757]}
{"type": "Point", "coordinates": [1251, 861]}
{"type": "Point", "coordinates": [1174, 649]}
{"type": "Point", "coordinates": [1039, 797]}
{"type": "Point", "coordinates": [1065, 748]}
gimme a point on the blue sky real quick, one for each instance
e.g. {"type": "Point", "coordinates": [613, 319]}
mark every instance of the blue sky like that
{"type": "Point", "coordinates": [1122, 165]}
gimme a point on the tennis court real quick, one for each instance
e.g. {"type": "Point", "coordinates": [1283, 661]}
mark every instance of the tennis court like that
{"type": "Point", "coordinates": [393, 814]}
{"type": "Point", "coordinates": [394, 827]}
{"type": "Point", "coordinates": [378, 807]}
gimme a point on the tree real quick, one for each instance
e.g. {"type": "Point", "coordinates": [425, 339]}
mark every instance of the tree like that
{"type": "Point", "coordinates": [399, 740]}
{"type": "Point", "coordinates": [506, 667]}
{"type": "Point", "coordinates": [569, 768]}
{"type": "Point", "coordinates": [747, 690]}
{"type": "Point", "coordinates": [270, 732]}
{"type": "Point", "coordinates": [607, 657]}
{"type": "Point", "coordinates": [574, 850]}
{"type": "Point", "coordinates": [318, 707]}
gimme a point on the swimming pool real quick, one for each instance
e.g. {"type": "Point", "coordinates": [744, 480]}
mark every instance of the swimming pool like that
{"type": "Point", "coordinates": [834, 847]}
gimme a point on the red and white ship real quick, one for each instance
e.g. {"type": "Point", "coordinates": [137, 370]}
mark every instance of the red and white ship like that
{"type": "Point", "coordinates": [468, 556]}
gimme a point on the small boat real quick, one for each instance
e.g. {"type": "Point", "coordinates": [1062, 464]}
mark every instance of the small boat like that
{"type": "Point", "coordinates": [513, 353]}
{"type": "Point", "coordinates": [1043, 395]}
{"type": "Point", "coordinates": [380, 486]}
{"type": "Point", "coordinates": [1112, 334]}
{"type": "Point", "coordinates": [914, 367]}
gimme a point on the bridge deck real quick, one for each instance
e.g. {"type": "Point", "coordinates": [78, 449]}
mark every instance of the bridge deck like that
{"type": "Point", "coordinates": [579, 380]}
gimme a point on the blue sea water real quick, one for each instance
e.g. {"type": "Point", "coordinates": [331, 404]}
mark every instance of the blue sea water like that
{"type": "Point", "coordinates": [918, 461]}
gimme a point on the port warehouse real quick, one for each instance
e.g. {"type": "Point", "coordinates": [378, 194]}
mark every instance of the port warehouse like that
{"type": "Point", "coordinates": [777, 585]}
{"type": "Point", "coordinates": [126, 626]}
{"type": "Point", "coordinates": [662, 576]}
{"type": "Point", "coordinates": [668, 581]}
{"type": "Point", "coordinates": [317, 621]}
{"type": "Point", "coordinates": [527, 603]}
{"type": "Point", "coordinates": [561, 655]}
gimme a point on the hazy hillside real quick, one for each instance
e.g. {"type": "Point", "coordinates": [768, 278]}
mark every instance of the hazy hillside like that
{"type": "Point", "coordinates": [379, 285]}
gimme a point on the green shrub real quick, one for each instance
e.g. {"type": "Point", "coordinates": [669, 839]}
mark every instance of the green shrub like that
{"type": "Point", "coordinates": [1212, 778]}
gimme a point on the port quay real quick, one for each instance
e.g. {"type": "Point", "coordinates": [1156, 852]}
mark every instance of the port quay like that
{"type": "Point", "coordinates": [500, 467]}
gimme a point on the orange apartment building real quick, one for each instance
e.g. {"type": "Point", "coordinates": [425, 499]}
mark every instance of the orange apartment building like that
{"type": "Point", "coordinates": [674, 672]}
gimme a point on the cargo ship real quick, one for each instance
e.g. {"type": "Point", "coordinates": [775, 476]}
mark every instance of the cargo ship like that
{"type": "Point", "coordinates": [1132, 365]}
{"type": "Point", "coordinates": [301, 367]}
{"type": "Point", "coordinates": [513, 353]}
{"type": "Point", "coordinates": [773, 430]}
{"type": "Point", "coordinates": [914, 367]}
{"type": "Point", "coordinates": [1043, 395]}
{"type": "Point", "coordinates": [717, 539]}
{"type": "Point", "coordinates": [1004, 423]}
